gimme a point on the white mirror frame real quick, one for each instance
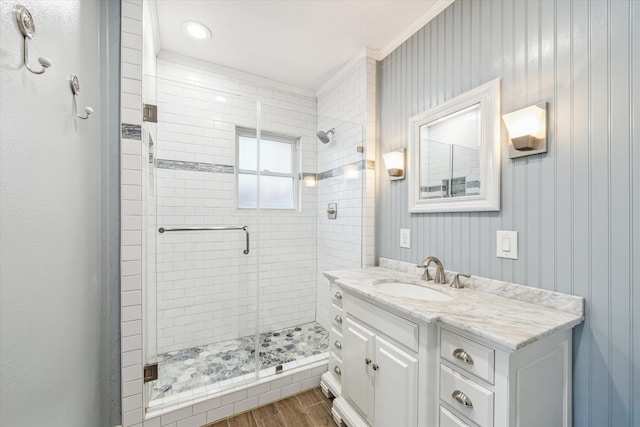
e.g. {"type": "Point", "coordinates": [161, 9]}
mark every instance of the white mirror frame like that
{"type": "Point", "coordinates": [488, 96]}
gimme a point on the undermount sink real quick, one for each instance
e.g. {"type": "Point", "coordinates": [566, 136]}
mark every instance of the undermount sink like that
{"type": "Point", "coordinates": [410, 290]}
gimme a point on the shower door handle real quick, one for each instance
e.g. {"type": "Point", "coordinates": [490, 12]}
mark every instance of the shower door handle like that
{"type": "Point", "coordinates": [244, 228]}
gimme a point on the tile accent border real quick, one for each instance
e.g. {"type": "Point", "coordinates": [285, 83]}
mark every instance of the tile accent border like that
{"type": "Point", "coordinates": [339, 171]}
{"type": "Point", "coordinates": [194, 166]}
{"type": "Point", "coordinates": [130, 131]}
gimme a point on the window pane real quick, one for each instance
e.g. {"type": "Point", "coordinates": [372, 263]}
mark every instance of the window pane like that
{"type": "Point", "coordinates": [247, 190]}
{"type": "Point", "coordinates": [247, 155]}
{"type": "Point", "coordinates": [275, 156]}
{"type": "Point", "coordinates": [276, 192]}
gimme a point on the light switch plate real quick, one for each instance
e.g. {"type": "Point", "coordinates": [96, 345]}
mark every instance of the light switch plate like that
{"type": "Point", "coordinates": [507, 244]}
{"type": "Point", "coordinates": [405, 238]}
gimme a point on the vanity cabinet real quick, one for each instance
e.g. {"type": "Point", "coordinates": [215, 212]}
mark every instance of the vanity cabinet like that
{"type": "Point", "coordinates": [331, 382]}
{"type": "Point", "coordinates": [484, 386]}
{"type": "Point", "coordinates": [399, 364]}
{"type": "Point", "coordinates": [380, 378]}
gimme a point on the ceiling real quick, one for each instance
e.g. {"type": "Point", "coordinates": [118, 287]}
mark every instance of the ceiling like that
{"type": "Point", "coordinates": [301, 43]}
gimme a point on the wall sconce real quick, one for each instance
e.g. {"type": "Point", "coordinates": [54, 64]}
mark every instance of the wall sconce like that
{"type": "Point", "coordinates": [394, 161]}
{"type": "Point", "coordinates": [527, 130]}
{"type": "Point", "coordinates": [351, 172]}
{"type": "Point", "coordinates": [309, 180]}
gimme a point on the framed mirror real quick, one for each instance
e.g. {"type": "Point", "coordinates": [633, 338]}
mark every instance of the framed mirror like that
{"type": "Point", "coordinates": [454, 155]}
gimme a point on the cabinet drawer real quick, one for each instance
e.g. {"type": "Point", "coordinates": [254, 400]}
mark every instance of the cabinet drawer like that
{"type": "Point", "coordinates": [335, 341]}
{"type": "Point", "coordinates": [400, 329]}
{"type": "Point", "coordinates": [335, 366]}
{"type": "Point", "coordinates": [466, 354]}
{"type": "Point", "coordinates": [336, 295]}
{"type": "Point", "coordinates": [479, 407]}
{"type": "Point", "coordinates": [336, 316]}
{"type": "Point", "coordinates": [447, 419]}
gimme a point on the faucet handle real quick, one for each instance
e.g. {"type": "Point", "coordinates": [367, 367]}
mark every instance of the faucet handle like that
{"type": "Point", "coordinates": [426, 275]}
{"type": "Point", "coordinates": [456, 281]}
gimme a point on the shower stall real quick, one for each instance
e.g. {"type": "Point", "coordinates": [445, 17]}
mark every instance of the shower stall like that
{"type": "Point", "coordinates": [237, 191]}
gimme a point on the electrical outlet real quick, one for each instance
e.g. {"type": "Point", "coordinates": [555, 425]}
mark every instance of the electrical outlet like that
{"type": "Point", "coordinates": [405, 238]}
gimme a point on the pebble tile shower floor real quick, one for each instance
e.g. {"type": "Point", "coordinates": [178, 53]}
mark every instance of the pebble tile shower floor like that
{"type": "Point", "coordinates": [183, 370]}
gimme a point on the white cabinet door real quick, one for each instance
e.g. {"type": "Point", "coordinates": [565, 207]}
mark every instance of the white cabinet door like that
{"type": "Point", "coordinates": [396, 386]}
{"type": "Point", "coordinates": [357, 383]}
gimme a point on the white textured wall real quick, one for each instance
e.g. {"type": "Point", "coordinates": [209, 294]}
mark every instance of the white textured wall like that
{"type": "Point", "coordinates": [50, 322]}
{"type": "Point", "coordinates": [206, 286]}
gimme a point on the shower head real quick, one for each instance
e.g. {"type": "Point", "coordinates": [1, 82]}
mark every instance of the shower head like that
{"type": "Point", "coordinates": [324, 137]}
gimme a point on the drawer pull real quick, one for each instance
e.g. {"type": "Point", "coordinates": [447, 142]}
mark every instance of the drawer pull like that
{"type": "Point", "coordinates": [462, 398]}
{"type": "Point", "coordinates": [459, 353]}
{"type": "Point", "coordinates": [338, 295]}
{"type": "Point", "coordinates": [337, 344]}
{"type": "Point", "coordinates": [375, 366]}
{"type": "Point", "coordinates": [337, 370]}
{"type": "Point", "coordinates": [338, 318]}
{"type": "Point", "coordinates": [367, 361]}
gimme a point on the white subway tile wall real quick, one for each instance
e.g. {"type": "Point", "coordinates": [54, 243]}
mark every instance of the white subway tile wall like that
{"type": "Point", "coordinates": [132, 214]}
{"type": "Point", "coordinates": [346, 103]}
{"type": "Point", "coordinates": [292, 247]}
{"type": "Point", "coordinates": [206, 286]}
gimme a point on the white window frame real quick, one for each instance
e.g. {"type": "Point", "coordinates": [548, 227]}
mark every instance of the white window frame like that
{"type": "Point", "coordinates": [272, 136]}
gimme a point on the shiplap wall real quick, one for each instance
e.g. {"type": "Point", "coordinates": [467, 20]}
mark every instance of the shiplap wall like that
{"type": "Point", "coordinates": [577, 207]}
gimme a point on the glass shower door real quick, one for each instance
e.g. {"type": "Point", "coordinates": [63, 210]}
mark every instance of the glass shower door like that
{"type": "Point", "coordinates": [204, 294]}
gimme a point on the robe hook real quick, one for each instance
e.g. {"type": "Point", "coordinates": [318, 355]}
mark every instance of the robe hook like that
{"type": "Point", "coordinates": [75, 88]}
{"type": "Point", "coordinates": [28, 30]}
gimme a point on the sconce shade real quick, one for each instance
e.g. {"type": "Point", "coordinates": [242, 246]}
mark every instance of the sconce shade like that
{"type": "Point", "coordinates": [394, 162]}
{"type": "Point", "coordinates": [309, 181]}
{"type": "Point", "coordinates": [527, 130]}
{"type": "Point", "coordinates": [351, 172]}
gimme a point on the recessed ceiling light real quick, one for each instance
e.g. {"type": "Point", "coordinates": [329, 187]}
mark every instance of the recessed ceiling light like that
{"type": "Point", "coordinates": [196, 30]}
{"type": "Point", "coordinates": [220, 98]}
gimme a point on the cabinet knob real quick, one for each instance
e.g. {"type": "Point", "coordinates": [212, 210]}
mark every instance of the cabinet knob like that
{"type": "Point", "coordinates": [338, 295]}
{"type": "Point", "coordinates": [462, 398]}
{"type": "Point", "coordinates": [375, 366]}
{"type": "Point", "coordinates": [337, 370]}
{"type": "Point", "coordinates": [337, 344]}
{"type": "Point", "coordinates": [459, 353]}
{"type": "Point", "coordinates": [367, 361]}
{"type": "Point", "coordinates": [338, 318]}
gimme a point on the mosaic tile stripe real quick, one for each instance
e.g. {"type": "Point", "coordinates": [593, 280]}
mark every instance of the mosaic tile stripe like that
{"type": "Point", "coordinates": [130, 131]}
{"type": "Point", "coordinates": [213, 168]}
{"type": "Point", "coordinates": [332, 173]}
{"type": "Point", "coordinates": [194, 166]}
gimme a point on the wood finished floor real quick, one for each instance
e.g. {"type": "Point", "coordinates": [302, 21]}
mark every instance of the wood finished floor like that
{"type": "Point", "coordinates": [307, 409]}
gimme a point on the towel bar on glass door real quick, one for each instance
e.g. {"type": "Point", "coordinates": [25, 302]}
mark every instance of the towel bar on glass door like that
{"type": "Point", "coordinates": [222, 228]}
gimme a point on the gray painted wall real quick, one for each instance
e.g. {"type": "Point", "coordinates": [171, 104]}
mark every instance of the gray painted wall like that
{"type": "Point", "coordinates": [51, 322]}
{"type": "Point", "coordinates": [577, 207]}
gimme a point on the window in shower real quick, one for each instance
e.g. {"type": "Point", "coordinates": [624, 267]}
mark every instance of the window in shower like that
{"type": "Point", "coordinates": [278, 170]}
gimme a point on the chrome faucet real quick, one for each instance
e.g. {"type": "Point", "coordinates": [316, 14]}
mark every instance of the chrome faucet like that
{"type": "Point", "coordinates": [439, 278]}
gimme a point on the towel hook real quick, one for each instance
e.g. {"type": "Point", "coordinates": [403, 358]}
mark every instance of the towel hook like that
{"type": "Point", "coordinates": [28, 30]}
{"type": "Point", "coordinates": [75, 88]}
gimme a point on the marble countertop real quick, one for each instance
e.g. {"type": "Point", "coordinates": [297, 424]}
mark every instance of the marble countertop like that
{"type": "Point", "coordinates": [509, 322]}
